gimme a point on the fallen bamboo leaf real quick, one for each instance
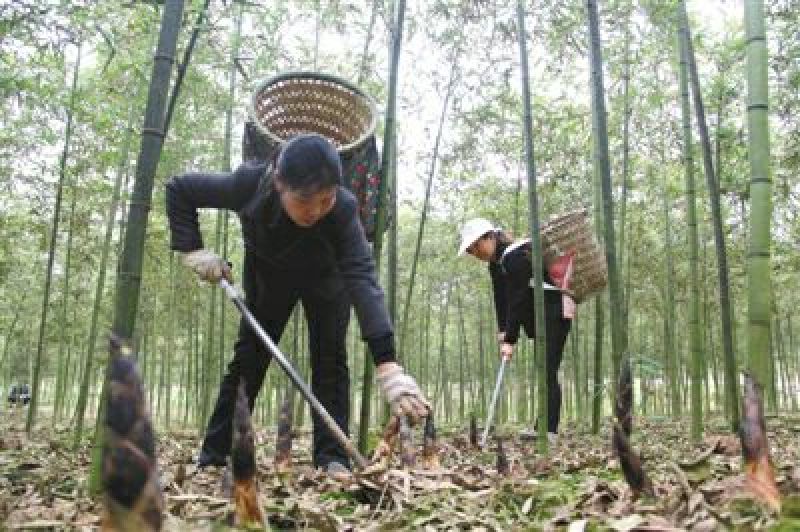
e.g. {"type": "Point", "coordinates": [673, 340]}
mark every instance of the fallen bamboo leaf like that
{"type": "Point", "coordinates": [728, 445]}
{"type": "Point", "coordinates": [759, 474]}
{"type": "Point", "coordinates": [41, 524]}
{"type": "Point", "coordinates": [627, 523]}
{"type": "Point", "coordinates": [578, 526]}
{"type": "Point", "coordinates": [527, 505]}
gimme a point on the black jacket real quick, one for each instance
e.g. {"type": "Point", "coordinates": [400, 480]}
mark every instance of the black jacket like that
{"type": "Point", "coordinates": [328, 257]}
{"type": "Point", "coordinates": [513, 295]}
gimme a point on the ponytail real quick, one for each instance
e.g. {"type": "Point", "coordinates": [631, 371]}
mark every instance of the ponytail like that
{"type": "Point", "coordinates": [502, 237]}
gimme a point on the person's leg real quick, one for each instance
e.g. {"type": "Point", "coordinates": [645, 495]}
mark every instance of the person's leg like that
{"type": "Point", "coordinates": [328, 316]}
{"type": "Point", "coordinates": [250, 362]}
{"type": "Point", "coordinates": [557, 330]}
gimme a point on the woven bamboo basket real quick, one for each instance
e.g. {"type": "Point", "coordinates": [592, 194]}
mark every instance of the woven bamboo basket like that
{"type": "Point", "coordinates": [310, 102]}
{"type": "Point", "coordinates": [573, 232]}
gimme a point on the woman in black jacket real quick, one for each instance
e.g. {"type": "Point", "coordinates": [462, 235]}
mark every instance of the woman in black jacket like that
{"type": "Point", "coordinates": [303, 241]}
{"type": "Point", "coordinates": [511, 273]}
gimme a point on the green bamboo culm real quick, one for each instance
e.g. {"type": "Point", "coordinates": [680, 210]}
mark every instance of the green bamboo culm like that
{"type": "Point", "coordinates": [731, 377]}
{"type": "Point", "coordinates": [536, 241]}
{"type": "Point", "coordinates": [600, 132]}
{"type": "Point", "coordinates": [65, 347]}
{"type": "Point", "coordinates": [380, 217]}
{"type": "Point", "coordinates": [695, 338]}
{"type": "Point", "coordinates": [425, 205]}
{"type": "Point", "coordinates": [759, 283]}
{"type": "Point", "coordinates": [130, 264]}
{"type": "Point", "coordinates": [91, 343]}
{"type": "Point", "coordinates": [130, 267]}
{"type": "Point", "coordinates": [37, 366]}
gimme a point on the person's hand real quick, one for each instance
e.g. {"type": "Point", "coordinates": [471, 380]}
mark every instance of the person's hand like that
{"type": "Point", "coordinates": [506, 350]}
{"type": "Point", "coordinates": [207, 265]}
{"type": "Point", "coordinates": [402, 392]}
{"type": "Point", "coordinates": [501, 337]}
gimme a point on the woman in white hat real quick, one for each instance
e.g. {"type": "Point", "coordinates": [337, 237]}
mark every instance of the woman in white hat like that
{"type": "Point", "coordinates": [511, 273]}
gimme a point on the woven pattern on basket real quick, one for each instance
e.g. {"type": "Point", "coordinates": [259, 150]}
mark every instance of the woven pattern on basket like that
{"type": "Point", "coordinates": [304, 102]}
{"type": "Point", "coordinates": [573, 232]}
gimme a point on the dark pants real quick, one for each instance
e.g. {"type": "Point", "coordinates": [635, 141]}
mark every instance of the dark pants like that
{"type": "Point", "coordinates": [557, 330]}
{"type": "Point", "coordinates": [327, 311]}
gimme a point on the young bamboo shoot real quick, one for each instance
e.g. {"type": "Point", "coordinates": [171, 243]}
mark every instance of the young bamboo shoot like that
{"type": "Point", "coordinates": [430, 449]}
{"type": "Point", "coordinates": [133, 498]}
{"type": "Point", "coordinates": [243, 460]}
{"type": "Point", "coordinates": [759, 474]}
{"type": "Point", "coordinates": [283, 444]}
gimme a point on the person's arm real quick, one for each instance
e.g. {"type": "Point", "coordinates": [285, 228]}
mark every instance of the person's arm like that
{"type": "Point", "coordinates": [187, 193]}
{"type": "Point", "coordinates": [500, 300]}
{"type": "Point", "coordinates": [357, 268]}
{"type": "Point", "coordinates": [518, 294]}
{"type": "Point", "coordinates": [358, 271]}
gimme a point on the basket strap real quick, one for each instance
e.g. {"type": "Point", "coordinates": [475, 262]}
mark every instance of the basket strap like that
{"type": "Point", "coordinates": [547, 286]}
{"type": "Point", "coordinates": [512, 247]}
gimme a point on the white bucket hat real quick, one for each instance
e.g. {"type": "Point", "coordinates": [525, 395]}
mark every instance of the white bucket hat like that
{"type": "Point", "coordinates": [472, 231]}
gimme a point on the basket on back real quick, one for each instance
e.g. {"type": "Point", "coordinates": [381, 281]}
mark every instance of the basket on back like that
{"type": "Point", "coordinates": [309, 102]}
{"type": "Point", "coordinates": [573, 232]}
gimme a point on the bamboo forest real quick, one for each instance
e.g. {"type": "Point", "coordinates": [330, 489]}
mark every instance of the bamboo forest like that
{"type": "Point", "coordinates": [388, 265]}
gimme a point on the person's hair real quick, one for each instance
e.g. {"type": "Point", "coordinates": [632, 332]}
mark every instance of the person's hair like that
{"type": "Point", "coordinates": [308, 163]}
{"type": "Point", "coordinates": [502, 237]}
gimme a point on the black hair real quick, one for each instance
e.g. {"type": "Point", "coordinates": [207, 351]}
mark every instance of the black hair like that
{"type": "Point", "coordinates": [503, 237]}
{"type": "Point", "coordinates": [309, 163]}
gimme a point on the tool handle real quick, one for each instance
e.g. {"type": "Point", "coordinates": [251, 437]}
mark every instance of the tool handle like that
{"type": "Point", "coordinates": [498, 384]}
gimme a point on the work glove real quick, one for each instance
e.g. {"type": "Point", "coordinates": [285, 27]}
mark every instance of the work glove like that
{"type": "Point", "coordinates": [402, 393]}
{"type": "Point", "coordinates": [207, 265]}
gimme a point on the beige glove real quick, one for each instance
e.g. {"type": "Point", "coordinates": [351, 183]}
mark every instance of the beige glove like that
{"type": "Point", "coordinates": [402, 392]}
{"type": "Point", "coordinates": [207, 265]}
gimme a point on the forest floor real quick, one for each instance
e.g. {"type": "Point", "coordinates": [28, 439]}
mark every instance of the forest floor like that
{"type": "Point", "coordinates": [577, 487]}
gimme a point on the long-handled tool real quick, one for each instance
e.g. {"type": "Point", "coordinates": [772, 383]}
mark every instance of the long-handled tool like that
{"type": "Point", "coordinates": [340, 436]}
{"type": "Point", "coordinates": [500, 371]}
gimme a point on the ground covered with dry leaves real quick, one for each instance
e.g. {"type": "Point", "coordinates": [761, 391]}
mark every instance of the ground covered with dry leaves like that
{"type": "Point", "coordinates": [578, 487]}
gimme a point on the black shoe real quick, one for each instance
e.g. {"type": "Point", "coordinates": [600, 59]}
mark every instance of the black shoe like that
{"type": "Point", "coordinates": [208, 458]}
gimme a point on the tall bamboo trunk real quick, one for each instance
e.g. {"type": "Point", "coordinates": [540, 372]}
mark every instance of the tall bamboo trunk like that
{"type": "Point", "coordinates": [695, 340]}
{"type": "Point", "coordinates": [462, 354]}
{"type": "Point", "coordinates": [533, 226]}
{"type": "Point", "coordinates": [66, 339]}
{"type": "Point", "coordinates": [759, 284]}
{"type": "Point", "coordinates": [153, 134]}
{"type": "Point", "coordinates": [425, 204]}
{"type": "Point", "coordinates": [670, 356]}
{"type": "Point", "coordinates": [731, 380]}
{"type": "Point", "coordinates": [91, 343]}
{"type": "Point", "coordinates": [40, 346]}
{"type": "Point", "coordinates": [600, 130]}
{"type": "Point", "coordinates": [380, 222]}
{"type": "Point", "coordinates": [626, 115]}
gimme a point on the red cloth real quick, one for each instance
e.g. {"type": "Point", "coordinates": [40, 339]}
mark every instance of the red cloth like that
{"type": "Point", "coordinates": [560, 271]}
